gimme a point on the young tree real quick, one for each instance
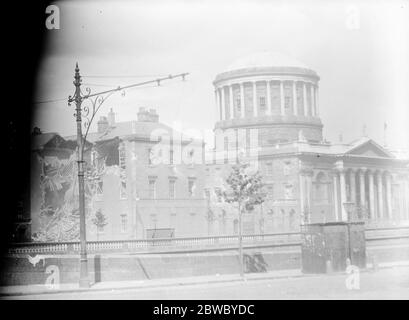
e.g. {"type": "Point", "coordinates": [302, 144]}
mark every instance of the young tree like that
{"type": "Point", "coordinates": [99, 221]}
{"type": "Point", "coordinates": [245, 190]}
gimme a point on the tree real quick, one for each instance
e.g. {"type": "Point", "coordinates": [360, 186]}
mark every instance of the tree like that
{"type": "Point", "coordinates": [244, 189]}
{"type": "Point", "coordinates": [99, 221]}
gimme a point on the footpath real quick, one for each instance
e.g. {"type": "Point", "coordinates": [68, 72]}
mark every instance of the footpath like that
{"type": "Point", "coordinates": [169, 282]}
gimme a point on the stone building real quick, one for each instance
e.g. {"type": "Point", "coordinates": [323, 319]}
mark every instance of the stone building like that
{"type": "Point", "coordinates": [152, 179]}
{"type": "Point", "coordinates": [269, 111]}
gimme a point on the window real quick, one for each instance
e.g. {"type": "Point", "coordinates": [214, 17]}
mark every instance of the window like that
{"type": "Point", "coordinates": [152, 188]}
{"type": "Point", "coordinates": [149, 156]}
{"type": "Point", "coordinates": [262, 102]}
{"type": "Point", "coordinates": [172, 184]}
{"type": "Point", "coordinates": [269, 168]}
{"type": "Point", "coordinates": [171, 156]}
{"type": "Point", "coordinates": [99, 187]}
{"type": "Point", "coordinates": [287, 102]}
{"type": "Point", "coordinates": [287, 168]}
{"type": "Point", "coordinates": [207, 194]}
{"type": "Point", "coordinates": [191, 187]}
{"type": "Point", "coordinates": [124, 223]}
{"type": "Point", "coordinates": [122, 171]}
{"type": "Point", "coordinates": [238, 102]}
{"type": "Point", "coordinates": [218, 193]}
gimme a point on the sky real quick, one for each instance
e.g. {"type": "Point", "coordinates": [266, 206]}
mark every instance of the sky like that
{"type": "Point", "coordinates": [360, 50]}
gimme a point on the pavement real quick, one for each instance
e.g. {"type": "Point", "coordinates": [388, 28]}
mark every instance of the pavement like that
{"type": "Point", "coordinates": [39, 290]}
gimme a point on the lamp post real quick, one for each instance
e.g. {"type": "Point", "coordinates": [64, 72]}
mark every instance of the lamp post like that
{"type": "Point", "coordinates": [96, 100]}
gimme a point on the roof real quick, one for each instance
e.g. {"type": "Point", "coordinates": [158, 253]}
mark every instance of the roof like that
{"type": "Point", "coordinates": [40, 140]}
{"type": "Point", "coordinates": [265, 59]}
{"type": "Point", "coordinates": [129, 129]}
{"type": "Point", "coordinates": [361, 148]}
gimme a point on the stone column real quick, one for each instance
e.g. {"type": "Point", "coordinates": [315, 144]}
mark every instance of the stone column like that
{"type": "Point", "coordinates": [223, 103]}
{"type": "Point", "coordinates": [317, 109]}
{"type": "Point", "coordinates": [362, 201]}
{"type": "Point", "coordinates": [305, 103]}
{"type": "Point", "coordinates": [282, 98]}
{"type": "Point", "coordinates": [295, 111]}
{"type": "Point", "coordinates": [302, 197]}
{"type": "Point", "coordinates": [255, 111]}
{"type": "Point", "coordinates": [242, 99]}
{"type": "Point", "coordinates": [352, 187]}
{"type": "Point", "coordinates": [389, 195]}
{"type": "Point", "coordinates": [380, 194]}
{"type": "Point", "coordinates": [371, 196]}
{"type": "Point", "coordinates": [268, 93]}
{"type": "Point", "coordinates": [312, 99]}
{"type": "Point", "coordinates": [342, 186]}
{"type": "Point", "coordinates": [335, 191]}
{"type": "Point", "coordinates": [219, 107]}
{"type": "Point", "coordinates": [231, 101]}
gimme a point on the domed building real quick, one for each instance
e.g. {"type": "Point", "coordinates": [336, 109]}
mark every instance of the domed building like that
{"type": "Point", "coordinates": [268, 111]}
{"type": "Point", "coordinates": [276, 94]}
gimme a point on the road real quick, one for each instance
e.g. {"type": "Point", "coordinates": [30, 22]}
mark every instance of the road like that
{"type": "Point", "coordinates": [390, 283]}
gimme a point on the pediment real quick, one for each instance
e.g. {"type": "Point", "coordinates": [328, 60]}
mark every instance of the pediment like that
{"type": "Point", "coordinates": [369, 149]}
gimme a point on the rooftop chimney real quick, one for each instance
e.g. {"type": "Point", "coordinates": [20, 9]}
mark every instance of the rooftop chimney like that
{"type": "Point", "coordinates": [147, 116]}
{"type": "Point", "coordinates": [102, 124]}
{"type": "Point", "coordinates": [111, 118]}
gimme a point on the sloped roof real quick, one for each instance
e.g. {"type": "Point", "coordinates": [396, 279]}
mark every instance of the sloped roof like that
{"type": "Point", "coordinates": [40, 140]}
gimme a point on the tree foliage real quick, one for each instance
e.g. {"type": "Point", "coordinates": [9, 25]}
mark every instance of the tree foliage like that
{"type": "Point", "coordinates": [244, 187]}
{"type": "Point", "coordinates": [99, 220]}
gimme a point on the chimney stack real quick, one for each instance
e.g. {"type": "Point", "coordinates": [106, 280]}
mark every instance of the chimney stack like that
{"type": "Point", "coordinates": [111, 118]}
{"type": "Point", "coordinates": [102, 124]}
{"type": "Point", "coordinates": [147, 116]}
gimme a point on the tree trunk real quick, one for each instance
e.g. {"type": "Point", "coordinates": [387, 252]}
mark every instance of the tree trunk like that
{"type": "Point", "coordinates": [240, 245]}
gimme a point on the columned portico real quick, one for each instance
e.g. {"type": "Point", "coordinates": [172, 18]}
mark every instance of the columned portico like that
{"type": "Point", "coordinates": [342, 186]}
{"type": "Point", "coordinates": [380, 194]}
{"type": "Point", "coordinates": [389, 195]}
{"type": "Point", "coordinates": [371, 195]}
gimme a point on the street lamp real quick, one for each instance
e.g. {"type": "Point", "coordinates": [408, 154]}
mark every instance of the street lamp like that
{"type": "Point", "coordinates": [96, 100]}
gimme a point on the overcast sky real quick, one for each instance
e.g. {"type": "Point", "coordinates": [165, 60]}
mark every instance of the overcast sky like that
{"type": "Point", "coordinates": [363, 64]}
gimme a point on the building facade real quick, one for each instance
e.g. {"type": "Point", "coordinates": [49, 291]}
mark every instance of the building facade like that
{"type": "Point", "coordinates": [269, 111]}
{"type": "Point", "coordinates": [151, 181]}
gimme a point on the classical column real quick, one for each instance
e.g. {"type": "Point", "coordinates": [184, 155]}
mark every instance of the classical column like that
{"type": "Point", "coordinates": [352, 187]}
{"type": "Point", "coordinates": [282, 98]}
{"type": "Point", "coordinates": [362, 187]}
{"type": "Point", "coordinates": [302, 198]}
{"type": "Point", "coordinates": [389, 195]}
{"type": "Point", "coordinates": [317, 109]}
{"type": "Point", "coordinates": [305, 103]}
{"type": "Point", "coordinates": [371, 196]}
{"type": "Point", "coordinates": [255, 111]}
{"type": "Point", "coordinates": [335, 183]}
{"type": "Point", "coordinates": [295, 98]}
{"type": "Point", "coordinates": [223, 103]}
{"type": "Point", "coordinates": [342, 185]}
{"type": "Point", "coordinates": [380, 194]}
{"type": "Point", "coordinates": [231, 101]}
{"type": "Point", "coordinates": [268, 93]}
{"type": "Point", "coordinates": [242, 99]}
{"type": "Point", "coordinates": [312, 99]}
{"type": "Point", "coordinates": [218, 103]}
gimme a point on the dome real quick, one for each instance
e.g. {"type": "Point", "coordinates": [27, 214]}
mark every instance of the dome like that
{"type": "Point", "coordinates": [265, 59]}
